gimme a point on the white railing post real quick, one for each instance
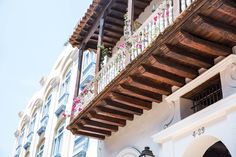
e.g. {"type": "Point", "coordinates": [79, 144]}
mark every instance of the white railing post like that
{"type": "Point", "coordinates": [176, 8]}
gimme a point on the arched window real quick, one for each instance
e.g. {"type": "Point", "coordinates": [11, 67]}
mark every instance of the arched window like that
{"type": "Point", "coordinates": [19, 141]}
{"type": "Point", "coordinates": [40, 149]}
{"type": "Point", "coordinates": [57, 143]}
{"type": "Point", "coordinates": [80, 146]}
{"type": "Point", "coordinates": [30, 132]}
{"type": "Point", "coordinates": [46, 105]}
{"type": "Point", "coordinates": [45, 115]}
{"type": "Point", "coordinates": [65, 83]}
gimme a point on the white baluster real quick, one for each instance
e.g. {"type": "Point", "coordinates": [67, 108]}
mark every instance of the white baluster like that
{"type": "Point", "coordinates": [171, 15]}
{"type": "Point", "coordinates": [150, 32]}
{"type": "Point", "coordinates": [188, 2]}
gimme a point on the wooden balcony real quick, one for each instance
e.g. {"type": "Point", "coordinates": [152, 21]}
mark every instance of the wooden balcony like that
{"type": "Point", "coordinates": [173, 52]}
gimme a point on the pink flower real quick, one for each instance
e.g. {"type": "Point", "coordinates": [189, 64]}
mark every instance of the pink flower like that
{"type": "Point", "coordinates": [73, 107]}
{"type": "Point", "coordinates": [167, 12]}
{"type": "Point", "coordinates": [122, 45]}
{"type": "Point", "coordinates": [79, 109]}
{"type": "Point", "coordinates": [155, 18]}
{"type": "Point", "coordinates": [63, 114]}
{"type": "Point", "coordinates": [76, 100]}
{"type": "Point", "coordinates": [139, 46]}
{"type": "Point", "coordinates": [85, 91]}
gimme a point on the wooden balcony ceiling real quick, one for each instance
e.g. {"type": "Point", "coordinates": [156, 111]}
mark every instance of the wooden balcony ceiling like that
{"type": "Point", "coordinates": [114, 22]}
{"type": "Point", "coordinates": [205, 31]}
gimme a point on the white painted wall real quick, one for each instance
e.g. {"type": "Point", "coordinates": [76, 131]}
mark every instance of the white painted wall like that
{"type": "Point", "coordinates": [218, 121]}
{"type": "Point", "coordinates": [51, 83]}
{"type": "Point", "coordinates": [137, 133]}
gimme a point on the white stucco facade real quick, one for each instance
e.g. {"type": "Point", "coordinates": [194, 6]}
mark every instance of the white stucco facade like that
{"type": "Point", "coordinates": [57, 90]}
{"type": "Point", "coordinates": [171, 134]}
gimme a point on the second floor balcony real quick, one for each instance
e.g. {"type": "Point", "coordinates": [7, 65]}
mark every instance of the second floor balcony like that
{"type": "Point", "coordinates": [62, 104]}
{"type": "Point", "coordinates": [175, 44]}
{"type": "Point", "coordinates": [28, 140]}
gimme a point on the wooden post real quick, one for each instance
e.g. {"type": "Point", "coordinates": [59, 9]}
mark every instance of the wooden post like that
{"type": "Point", "coordinates": [129, 29]}
{"type": "Point", "coordinates": [80, 57]}
{"type": "Point", "coordinates": [100, 38]}
{"type": "Point", "coordinates": [176, 8]}
{"type": "Point", "coordinates": [130, 13]}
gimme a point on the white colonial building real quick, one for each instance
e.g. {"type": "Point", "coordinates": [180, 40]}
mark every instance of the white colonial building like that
{"type": "Point", "coordinates": [169, 83]}
{"type": "Point", "coordinates": [42, 126]}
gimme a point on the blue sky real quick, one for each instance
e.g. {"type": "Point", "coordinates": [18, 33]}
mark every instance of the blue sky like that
{"type": "Point", "coordinates": [32, 34]}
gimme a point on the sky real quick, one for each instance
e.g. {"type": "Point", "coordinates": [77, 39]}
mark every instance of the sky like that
{"type": "Point", "coordinates": [32, 35]}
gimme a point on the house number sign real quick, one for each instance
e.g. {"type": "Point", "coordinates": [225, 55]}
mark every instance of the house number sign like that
{"type": "Point", "coordinates": [199, 132]}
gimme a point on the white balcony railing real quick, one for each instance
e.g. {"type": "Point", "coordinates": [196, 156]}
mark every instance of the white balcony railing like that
{"type": "Point", "coordinates": [151, 28]}
{"type": "Point", "coordinates": [155, 24]}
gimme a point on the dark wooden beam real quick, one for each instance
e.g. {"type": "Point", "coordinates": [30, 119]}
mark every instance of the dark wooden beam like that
{"type": "Point", "coordinates": [114, 34]}
{"type": "Point", "coordinates": [228, 8]}
{"type": "Point", "coordinates": [113, 113]}
{"type": "Point", "coordinates": [134, 102]}
{"type": "Point", "coordinates": [186, 57]}
{"type": "Point", "coordinates": [202, 45]}
{"type": "Point", "coordinates": [99, 125]}
{"type": "Point", "coordinates": [149, 85]}
{"type": "Point", "coordinates": [139, 93]}
{"type": "Point", "coordinates": [173, 67]}
{"type": "Point", "coordinates": [106, 119]}
{"type": "Point", "coordinates": [117, 13]}
{"type": "Point", "coordinates": [122, 107]}
{"type": "Point", "coordinates": [105, 43]}
{"type": "Point", "coordinates": [105, 39]}
{"type": "Point", "coordinates": [130, 15]}
{"type": "Point", "coordinates": [93, 130]}
{"type": "Point", "coordinates": [96, 23]}
{"type": "Point", "coordinates": [140, 3]}
{"type": "Point", "coordinates": [114, 27]}
{"type": "Point", "coordinates": [162, 76]}
{"type": "Point", "coordinates": [116, 21]}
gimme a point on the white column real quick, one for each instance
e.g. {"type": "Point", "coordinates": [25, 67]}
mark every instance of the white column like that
{"type": "Point", "coordinates": [49, 132]}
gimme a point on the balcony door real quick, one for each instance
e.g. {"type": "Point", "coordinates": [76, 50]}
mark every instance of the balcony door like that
{"type": "Point", "coordinates": [209, 146]}
{"type": "Point", "coordinates": [217, 150]}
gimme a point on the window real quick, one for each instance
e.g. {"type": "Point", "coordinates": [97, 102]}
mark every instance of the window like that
{"type": "Point", "coordinates": [80, 146]}
{"type": "Point", "coordinates": [21, 137]}
{"type": "Point", "coordinates": [65, 84]}
{"type": "Point", "coordinates": [32, 124]}
{"type": "Point", "coordinates": [46, 106]}
{"type": "Point", "coordinates": [40, 150]}
{"type": "Point", "coordinates": [45, 116]}
{"type": "Point", "coordinates": [58, 141]}
{"type": "Point", "coordinates": [205, 95]}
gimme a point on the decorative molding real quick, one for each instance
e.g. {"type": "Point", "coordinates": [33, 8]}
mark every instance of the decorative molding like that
{"type": "Point", "coordinates": [54, 81]}
{"type": "Point", "coordinates": [208, 116]}
{"type": "Point", "coordinates": [26, 119]}
{"type": "Point", "coordinates": [43, 80]}
{"type": "Point", "coordinates": [230, 75]}
{"type": "Point", "coordinates": [20, 114]}
{"type": "Point", "coordinates": [171, 115]}
{"type": "Point", "coordinates": [16, 133]}
{"type": "Point", "coordinates": [74, 54]}
{"type": "Point", "coordinates": [129, 152]}
{"type": "Point", "coordinates": [38, 103]}
{"type": "Point", "coordinates": [234, 50]}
